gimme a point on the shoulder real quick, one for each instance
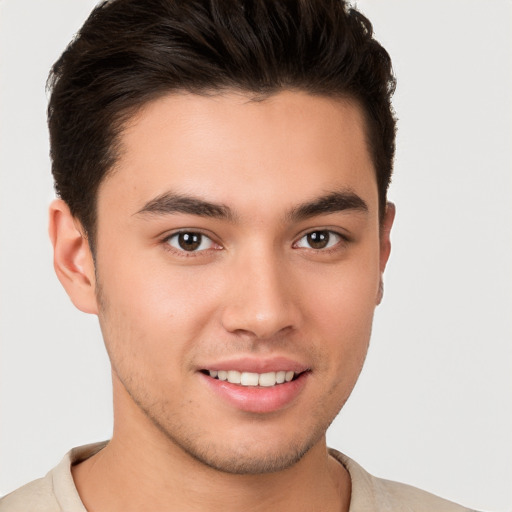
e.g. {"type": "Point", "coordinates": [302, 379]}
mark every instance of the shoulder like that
{"type": "Point", "coordinates": [56, 492]}
{"type": "Point", "coordinates": [34, 496]}
{"type": "Point", "coordinates": [372, 494]}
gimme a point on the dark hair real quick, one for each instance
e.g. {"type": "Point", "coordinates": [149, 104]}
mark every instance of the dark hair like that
{"type": "Point", "coordinates": [130, 52]}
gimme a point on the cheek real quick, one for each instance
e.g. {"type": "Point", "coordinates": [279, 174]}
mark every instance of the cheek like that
{"type": "Point", "coordinates": [345, 295]}
{"type": "Point", "coordinates": [153, 313]}
{"type": "Point", "coordinates": [341, 307]}
{"type": "Point", "coordinates": [151, 288]}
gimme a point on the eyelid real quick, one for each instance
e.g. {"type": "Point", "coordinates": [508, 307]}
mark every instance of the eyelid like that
{"type": "Point", "coordinates": [182, 252]}
{"type": "Point", "coordinates": [200, 231]}
{"type": "Point", "coordinates": [343, 239]}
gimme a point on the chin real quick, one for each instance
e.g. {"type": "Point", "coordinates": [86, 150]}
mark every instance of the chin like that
{"type": "Point", "coordinates": [250, 461]}
{"type": "Point", "coordinates": [261, 449]}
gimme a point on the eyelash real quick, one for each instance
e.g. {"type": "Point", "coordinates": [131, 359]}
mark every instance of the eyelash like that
{"type": "Point", "coordinates": [342, 240]}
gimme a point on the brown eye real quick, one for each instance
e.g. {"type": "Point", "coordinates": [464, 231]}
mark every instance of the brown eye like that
{"type": "Point", "coordinates": [318, 240]}
{"type": "Point", "coordinates": [190, 241]}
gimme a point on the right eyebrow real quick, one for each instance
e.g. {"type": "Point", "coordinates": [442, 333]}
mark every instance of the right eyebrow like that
{"type": "Point", "coordinates": [169, 203]}
{"type": "Point", "coordinates": [337, 201]}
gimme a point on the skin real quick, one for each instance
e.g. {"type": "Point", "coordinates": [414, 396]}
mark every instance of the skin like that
{"type": "Point", "coordinates": [256, 288]}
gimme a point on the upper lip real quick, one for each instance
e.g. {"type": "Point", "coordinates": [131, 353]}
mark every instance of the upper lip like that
{"type": "Point", "coordinates": [257, 365]}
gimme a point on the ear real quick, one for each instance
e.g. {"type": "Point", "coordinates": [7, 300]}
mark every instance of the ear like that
{"type": "Point", "coordinates": [385, 244]}
{"type": "Point", "coordinates": [72, 257]}
{"type": "Point", "coordinates": [385, 232]}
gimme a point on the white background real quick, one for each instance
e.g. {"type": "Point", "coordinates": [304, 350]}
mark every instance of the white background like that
{"type": "Point", "coordinates": [433, 405]}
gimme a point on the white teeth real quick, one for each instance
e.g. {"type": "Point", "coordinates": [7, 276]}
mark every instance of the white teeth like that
{"type": "Point", "coordinates": [268, 379]}
{"type": "Point", "coordinates": [249, 379]}
{"type": "Point", "coordinates": [234, 377]}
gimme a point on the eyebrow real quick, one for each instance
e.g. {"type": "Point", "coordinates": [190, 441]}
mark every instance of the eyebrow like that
{"type": "Point", "coordinates": [169, 203]}
{"type": "Point", "coordinates": [330, 203]}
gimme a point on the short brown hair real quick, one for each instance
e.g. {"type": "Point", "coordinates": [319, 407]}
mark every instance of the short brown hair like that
{"type": "Point", "coordinates": [130, 52]}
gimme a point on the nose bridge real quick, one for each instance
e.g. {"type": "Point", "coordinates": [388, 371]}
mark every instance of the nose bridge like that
{"type": "Point", "coordinates": [260, 302]}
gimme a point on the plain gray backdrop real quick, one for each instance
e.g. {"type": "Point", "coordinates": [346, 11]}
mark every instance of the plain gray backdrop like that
{"type": "Point", "coordinates": [433, 405]}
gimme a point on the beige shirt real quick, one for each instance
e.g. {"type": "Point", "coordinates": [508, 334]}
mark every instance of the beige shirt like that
{"type": "Point", "coordinates": [56, 492]}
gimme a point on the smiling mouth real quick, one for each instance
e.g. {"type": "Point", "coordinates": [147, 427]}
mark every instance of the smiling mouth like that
{"type": "Point", "coordinates": [267, 379]}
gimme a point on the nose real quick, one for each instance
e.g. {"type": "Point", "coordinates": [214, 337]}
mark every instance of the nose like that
{"type": "Point", "coordinates": [261, 303]}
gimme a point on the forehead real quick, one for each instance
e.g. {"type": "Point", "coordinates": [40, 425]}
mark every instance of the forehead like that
{"type": "Point", "coordinates": [231, 148]}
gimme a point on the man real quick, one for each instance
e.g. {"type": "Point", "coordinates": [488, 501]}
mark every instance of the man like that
{"type": "Point", "coordinates": [222, 172]}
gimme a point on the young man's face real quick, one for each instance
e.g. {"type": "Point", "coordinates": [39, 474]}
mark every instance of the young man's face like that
{"type": "Point", "coordinates": [239, 237]}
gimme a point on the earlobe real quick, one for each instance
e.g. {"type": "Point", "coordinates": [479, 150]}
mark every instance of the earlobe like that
{"type": "Point", "coordinates": [380, 293]}
{"type": "Point", "coordinates": [72, 257]}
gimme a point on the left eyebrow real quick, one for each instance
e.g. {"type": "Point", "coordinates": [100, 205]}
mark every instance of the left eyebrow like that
{"type": "Point", "coordinates": [330, 203]}
{"type": "Point", "coordinates": [170, 203]}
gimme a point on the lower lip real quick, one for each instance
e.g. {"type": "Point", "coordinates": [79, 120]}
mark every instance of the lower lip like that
{"type": "Point", "coordinates": [258, 399]}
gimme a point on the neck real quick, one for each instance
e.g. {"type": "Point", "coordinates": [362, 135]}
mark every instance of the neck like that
{"type": "Point", "coordinates": [141, 469]}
